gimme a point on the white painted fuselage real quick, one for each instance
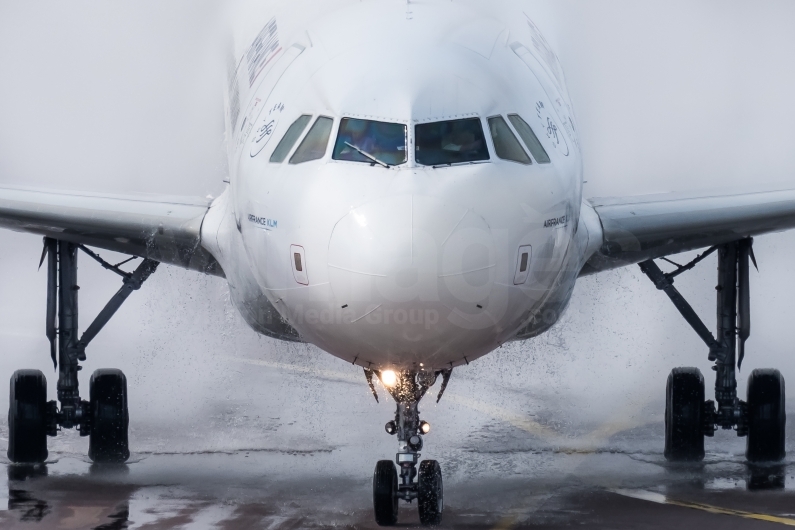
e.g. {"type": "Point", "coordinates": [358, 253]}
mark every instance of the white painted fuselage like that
{"type": "Point", "coordinates": [411, 265]}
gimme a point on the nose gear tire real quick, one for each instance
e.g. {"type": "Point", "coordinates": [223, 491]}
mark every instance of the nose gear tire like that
{"type": "Point", "coordinates": [766, 417]}
{"type": "Point", "coordinates": [431, 493]}
{"type": "Point", "coordinates": [684, 409]}
{"type": "Point", "coordinates": [385, 489]}
{"type": "Point", "coordinates": [27, 417]}
{"type": "Point", "coordinates": [108, 441]}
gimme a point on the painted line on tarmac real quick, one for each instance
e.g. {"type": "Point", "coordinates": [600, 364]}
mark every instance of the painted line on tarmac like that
{"type": "Point", "coordinates": [328, 374]}
{"type": "Point", "coordinates": [531, 505]}
{"type": "Point", "coordinates": [506, 523]}
{"type": "Point", "coordinates": [659, 498]}
{"type": "Point", "coordinates": [517, 420]}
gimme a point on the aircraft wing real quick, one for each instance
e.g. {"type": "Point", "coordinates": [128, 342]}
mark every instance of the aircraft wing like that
{"type": "Point", "coordinates": [164, 229]}
{"type": "Point", "coordinates": [636, 229]}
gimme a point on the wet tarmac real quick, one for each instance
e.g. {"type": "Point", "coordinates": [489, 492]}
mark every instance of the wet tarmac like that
{"type": "Point", "coordinates": [331, 489]}
{"type": "Point", "coordinates": [233, 431]}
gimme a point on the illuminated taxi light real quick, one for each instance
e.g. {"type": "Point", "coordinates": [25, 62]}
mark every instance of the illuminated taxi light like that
{"type": "Point", "coordinates": [425, 427]}
{"type": "Point", "coordinates": [389, 378]}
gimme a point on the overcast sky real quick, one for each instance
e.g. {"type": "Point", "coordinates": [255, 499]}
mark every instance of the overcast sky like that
{"type": "Point", "coordinates": [126, 97]}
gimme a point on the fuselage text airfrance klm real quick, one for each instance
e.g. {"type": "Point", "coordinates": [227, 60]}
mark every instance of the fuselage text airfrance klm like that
{"type": "Point", "coordinates": [556, 222]}
{"type": "Point", "coordinates": [263, 222]}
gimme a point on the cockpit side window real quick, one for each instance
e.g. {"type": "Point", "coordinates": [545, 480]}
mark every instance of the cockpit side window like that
{"type": "Point", "coordinates": [290, 137]}
{"type": "Point", "coordinates": [314, 145]}
{"type": "Point", "coordinates": [372, 142]}
{"type": "Point", "coordinates": [506, 145]}
{"type": "Point", "coordinates": [530, 139]}
{"type": "Point", "coordinates": [450, 142]}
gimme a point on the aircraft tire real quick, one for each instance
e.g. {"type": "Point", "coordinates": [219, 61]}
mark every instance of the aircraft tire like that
{"type": "Point", "coordinates": [27, 417]}
{"type": "Point", "coordinates": [108, 439]}
{"type": "Point", "coordinates": [431, 493]}
{"type": "Point", "coordinates": [767, 417]}
{"type": "Point", "coordinates": [684, 416]}
{"type": "Point", "coordinates": [385, 489]}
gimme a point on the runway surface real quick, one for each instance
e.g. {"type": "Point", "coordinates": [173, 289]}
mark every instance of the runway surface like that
{"type": "Point", "coordinates": [272, 436]}
{"type": "Point", "coordinates": [297, 449]}
{"type": "Point", "coordinates": [283, 490]}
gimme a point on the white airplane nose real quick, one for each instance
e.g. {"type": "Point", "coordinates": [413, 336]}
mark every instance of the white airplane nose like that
{"type": "Point", "coordinates": [415, 264]}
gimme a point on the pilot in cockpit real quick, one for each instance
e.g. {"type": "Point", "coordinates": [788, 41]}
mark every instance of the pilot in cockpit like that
{"type": "Point", "coordinates": [461, 139]}
{"type": "Point", "coordinates": [354, 133]}
{"type": "Point", "coordinates": [371, 141]}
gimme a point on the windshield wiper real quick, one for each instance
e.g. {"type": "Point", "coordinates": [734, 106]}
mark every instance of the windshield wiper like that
{"type": "Point", "coordinates": [451, 164]}
{"type": "Point", "coordinates": [368, 155]}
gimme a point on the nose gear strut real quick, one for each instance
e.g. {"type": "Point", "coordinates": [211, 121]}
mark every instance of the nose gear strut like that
{"type": "Point", "coordinates": [426, 486]}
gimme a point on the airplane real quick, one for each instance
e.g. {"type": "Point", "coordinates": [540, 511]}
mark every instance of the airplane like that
{"type": "Point", "coordinates": [406, 194]}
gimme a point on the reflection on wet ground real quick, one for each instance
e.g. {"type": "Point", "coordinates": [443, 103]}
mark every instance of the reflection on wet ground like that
{"type": "Point", "coordinates": [282, 450]}
{"type": "Point", "coordinates": [276, 490]}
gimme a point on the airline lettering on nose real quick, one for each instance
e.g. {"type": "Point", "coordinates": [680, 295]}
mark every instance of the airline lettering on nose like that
{"type": "Point", "coordinates": [556, 222]}
{"type": "Point", "coordinates": [263, 222]}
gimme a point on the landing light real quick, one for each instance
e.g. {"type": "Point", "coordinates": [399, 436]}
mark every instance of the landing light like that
{"type": "Point", "coordinates": [425, 427]}
{"type": "Point", "coordinates": [389, 378]}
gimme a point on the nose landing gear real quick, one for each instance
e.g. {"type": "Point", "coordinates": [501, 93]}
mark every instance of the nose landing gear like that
{"type": "Point", "coordinates": [389, 487]}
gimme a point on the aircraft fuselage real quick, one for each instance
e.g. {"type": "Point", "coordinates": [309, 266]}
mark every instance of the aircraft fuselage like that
{"type": "Point", "coordinates": [408, 263]}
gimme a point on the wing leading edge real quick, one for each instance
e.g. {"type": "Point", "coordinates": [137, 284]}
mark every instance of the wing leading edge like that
{"type": "Point", "coordinates": [166, 230]}
{"type": "Point", "coordinates": [636, 229]}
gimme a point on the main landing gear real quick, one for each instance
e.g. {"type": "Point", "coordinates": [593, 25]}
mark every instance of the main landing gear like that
{"type": "Point", "coordinates": [408, 388]}
{"type": "Point", "coordinates": [104, 418]}
{"type": "Point", "coordinates": [688, 417]}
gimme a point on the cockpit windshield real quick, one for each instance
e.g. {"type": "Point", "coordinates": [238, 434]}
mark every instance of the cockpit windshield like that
{"type": "Point", "coordinates": [372, 142]}
{"type": "Point", "coordinates": [450, 142]}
